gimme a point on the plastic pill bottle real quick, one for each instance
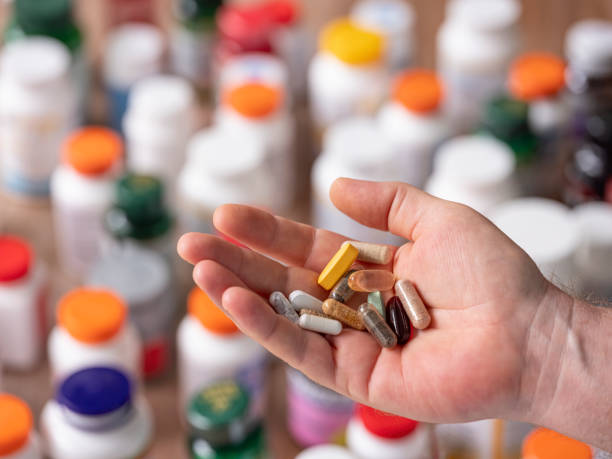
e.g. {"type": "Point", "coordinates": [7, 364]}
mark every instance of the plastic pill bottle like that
{"type": "Point", "coordinates": [158, 123]}
{"type": "Point", "coordinates": [346, 76]}
{"type": "Point", "coordinates": [257, 111]}
{"type": "Point", "coordinates": [36, 113]}
{"type": "Point", "coordinates": [547, 444]}
{"type": "Point", "coordinates": [221, 423]}
{"type": "Point", "coordinates": [352, 148]}
{"type": "Point", "coordinates": [394, 20]}
{"type": "Point", "coordinates": [372, 433]}
{"type": "Point", "coordinates": [326, 452]}
{"type": "Point", "coordinates": [133, 51]}
{"type": "Point", "coordinates": [594, 255]}
{"type": "Point", "coordinates": [96, 414]}
{"type": "Point", "coordinates": [142, 278]}
{"type": "Point", "coordinates": [547, 231]}
{"type": "Point", "coordinates": [54, 19]}
{"type": "Point", "coordinates": [413, 123]}
{"type": "Point", "coordinates": [140, 216]}
{"type": "Point", "coordinates": [475, 45]}
{"type": "Point", "coordinates": [210, 347]}
{"type": "Point", "coordinates": [588, 49]}
{"type": "Point", "coordinates": [82, 189]}
{"type": "Point", "coordinates": [191, 40]}
{"type": "Point", "coordinates": [315, 414]}
{"type": "Point", "coordinates": [23, 302]}
{"type": "Point", "coordinates": [477, 171]}
{"type": "Point", "coordinates": [221, 167]}
{"type": "Point", "coordinates": [18, 439]}
{"type": "Point", "coordinates": [92, 329]}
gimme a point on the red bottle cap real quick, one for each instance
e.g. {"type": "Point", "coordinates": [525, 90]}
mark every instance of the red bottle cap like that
{"type": "Point", "coordinates": [385, 425]}
{"type": "Point", "coordinates": [15, 258]}
{"type": "Point", "coordinates": [281, 12]}
{"type": "Point", "coordinates": [246, 24]}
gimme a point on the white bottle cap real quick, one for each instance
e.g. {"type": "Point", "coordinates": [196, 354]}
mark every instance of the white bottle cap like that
{"type": "Point", "coordinates": [326, 452]}
{"type": "Point", "coordinates": [543, 228]}
{"type": "Point", "coordinates": [588, 46]}
{"type": "Point", "coordinates": [35, 62]}
{"type": "Point", "coordinates": [594, 220]}
{"type": "Point", "coordinates": [475, 161]}
{"type": "Point", "coordinates": [163, 98]}
{"type": "Point", "coordinates": [133, 51]}
{"type": "Point", "coordinates": [485, 15]}
{"type": "Point", "coordinates": [390, 17]}
{"type": "Point", "coordinates": [253, 68]}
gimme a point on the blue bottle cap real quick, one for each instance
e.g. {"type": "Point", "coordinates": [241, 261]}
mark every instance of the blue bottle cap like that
{"type": "Point", "coordinates": [95, 391]}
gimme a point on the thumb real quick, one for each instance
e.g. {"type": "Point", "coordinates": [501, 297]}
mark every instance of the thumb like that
{"type": "Point", "coordinates": [388, 206]}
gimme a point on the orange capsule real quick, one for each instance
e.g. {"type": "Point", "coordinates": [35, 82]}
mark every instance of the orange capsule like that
{"type": "Point", "coordinates": [371, 280]}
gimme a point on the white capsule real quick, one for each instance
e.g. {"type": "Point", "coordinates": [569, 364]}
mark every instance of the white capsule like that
{"type": "Point", "coordinates": [320, 324]}
{"type": "Point", "coordinates": [302, 300]}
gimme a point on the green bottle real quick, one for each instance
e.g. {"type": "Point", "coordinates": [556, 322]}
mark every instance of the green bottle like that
{"type": "Point", "coordinates": [506, 119]}
{"type": "Point", "coordinates": [220, 424]}
{"type": "Point", "coordinates": [139, 212]}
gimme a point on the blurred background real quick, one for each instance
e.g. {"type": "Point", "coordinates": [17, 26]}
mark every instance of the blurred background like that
{"type": "Point", "coordinates": [125, 123]}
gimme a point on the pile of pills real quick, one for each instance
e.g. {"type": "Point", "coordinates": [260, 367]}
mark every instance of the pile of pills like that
{"type": "Point", "coordinates": [343, 277]}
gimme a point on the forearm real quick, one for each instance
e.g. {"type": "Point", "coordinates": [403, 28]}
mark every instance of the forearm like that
{"type": "Point", "coordinates": [568, 379]}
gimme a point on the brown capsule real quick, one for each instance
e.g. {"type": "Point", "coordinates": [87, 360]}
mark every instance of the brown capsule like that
{"type": "Point", "coordinates": [313, 312]}
{"type": "Point", "coordinates": [371, 280]}
{"type": "Point", "coordinates": [413, 304]}
{"type": "Point", "coordinates": [398, 320]}
{"type": "Point", "coordinates": [343, 313]}
{"type": "Point", "coordinates": [341, 291]}
{"type": "Point", "coordinates": [376, 325]}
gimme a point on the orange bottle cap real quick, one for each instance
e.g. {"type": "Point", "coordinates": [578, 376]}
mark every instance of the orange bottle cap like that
{"type": "Point", "coordinates": [15, 424]}
{"type": "Point", "coordinates": [547, 444]}
{"type": "Point", "coordinates": [254, 100]}
{"type": "Point", "coordinates": [91, 315]}
{"type": "Point", "coordinates": [208, 313]}
{"type": "Point", "coordinates": [418, 90]}
{"type": "Point", "coordinates": [535, 75]}
{"type": "Point", "coordinates": [352, 43]}
{"type": "Point", "coordinates": [92, 150]}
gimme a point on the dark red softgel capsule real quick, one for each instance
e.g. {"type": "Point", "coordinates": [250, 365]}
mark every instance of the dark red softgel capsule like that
{"type": "Point", "coordinates": [398, 320]}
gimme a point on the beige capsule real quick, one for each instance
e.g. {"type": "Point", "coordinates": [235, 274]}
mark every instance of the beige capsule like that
{"type": "Point", "coordinates": [413, 304]}
{"type": "Point", "coordinates": [371, 280]}
{"type": "Point", "coordinates": [379, 254]}
{"type": "Point", "coordinates": [343, 313]}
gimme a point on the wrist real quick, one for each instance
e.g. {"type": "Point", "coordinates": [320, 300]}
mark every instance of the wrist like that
{"type": "Point", "coordinates": [566, 384]}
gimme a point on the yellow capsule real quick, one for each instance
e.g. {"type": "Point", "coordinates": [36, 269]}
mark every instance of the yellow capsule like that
{"type": "Point", "coordinates": [343, 313]}
{"type": "Point", "coordinates": [337, 266]}
{"type": "Point", "coordinates": [371, 280]}
{"type": "Point", "coordinates": [413, 304]}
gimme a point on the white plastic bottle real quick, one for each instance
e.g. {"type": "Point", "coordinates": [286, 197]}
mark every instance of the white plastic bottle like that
{"type": "Point", "coordinates": [547, 231]}
{"type": "Point", "coordinates": [325, 452]}
{"type": "Point", "coordinates": [92, 329]}
{"type": "Point", "coordinates": [97, 415]}
{"type": "Point", "coordinates": [346, 76]}
{"type": "Point", "coordinates": [142, 278]}
{"type": "Point", "coordinates": [413, 123]}
{"type": "Point", "coordinates": [82, 189]}
{"type": "Point", "coordinates": [374, 434]}
{"type": "Point", "coordinates": [394, 20]}
{"type": "Point", "coordinates": [475, 45]}
{"type": "Point", "coordinates": [18, 439]}
{"type": "Point", "coordinates": [473, 170]}
{"type": "Point", "coordinates": [23, 300]}
{"type": "Point", "coordinates": [220, 168]}
{"type": "Point", "coordinates": [37, 110]}
{"type": "Point", "coordinates": [258, 111]}
{"type": "Point", "coordinates": [210, 347]}
{"type": "Point", "coordinates": [133, 51]}
{"type": "Point", "coordinates": [158, 123]}
{"type": "Point", "coordinates": [594, 255]}
{"type": "Point", "coordinates": [352, 148]}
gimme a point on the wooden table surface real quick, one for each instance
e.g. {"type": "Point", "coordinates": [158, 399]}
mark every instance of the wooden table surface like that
{"type": "Point", "coordinates": [543, 23]}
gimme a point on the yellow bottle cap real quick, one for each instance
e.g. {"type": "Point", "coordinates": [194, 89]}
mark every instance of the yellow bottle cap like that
{"type": "Point", "coordinates": [351, 43]}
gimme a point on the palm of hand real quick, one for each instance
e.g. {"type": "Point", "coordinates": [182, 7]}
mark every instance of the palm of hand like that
{"type": "Point", "coordinates": [465, 366]}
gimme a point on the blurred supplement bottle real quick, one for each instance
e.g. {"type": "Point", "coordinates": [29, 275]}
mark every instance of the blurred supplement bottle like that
{"type": "Point", "coordinates": [18, 439]}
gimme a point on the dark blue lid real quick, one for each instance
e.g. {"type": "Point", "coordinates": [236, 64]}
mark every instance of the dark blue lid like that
{"type": "Point", "coordinates": [94, 391]}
